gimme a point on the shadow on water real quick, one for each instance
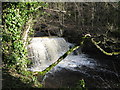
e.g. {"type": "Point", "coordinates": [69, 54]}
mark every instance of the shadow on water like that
{"type": "Point", "coordinates": [112, 61]}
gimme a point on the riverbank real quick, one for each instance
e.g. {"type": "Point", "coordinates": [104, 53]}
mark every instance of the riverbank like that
{"type": "Point", "coordinates": [12, 79]}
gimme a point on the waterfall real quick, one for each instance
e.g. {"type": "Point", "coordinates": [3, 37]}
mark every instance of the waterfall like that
{"type": "Point", "coordinates": [43, 51]}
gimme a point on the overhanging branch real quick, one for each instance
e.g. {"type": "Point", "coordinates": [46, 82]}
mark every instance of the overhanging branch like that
{"type": "Point", "coordinates": [106, 53]}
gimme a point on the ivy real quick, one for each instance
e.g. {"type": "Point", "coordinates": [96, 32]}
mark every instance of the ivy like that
{"type": "Point", "coordinates": [15, 17]}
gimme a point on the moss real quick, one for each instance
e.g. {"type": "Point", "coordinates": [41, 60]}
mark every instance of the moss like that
{"type": "Point", "coordinates": [106, 53]}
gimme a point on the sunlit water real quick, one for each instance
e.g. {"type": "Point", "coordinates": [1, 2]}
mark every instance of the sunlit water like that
{"type": "Point", "coordinates": [44, 51]}
{"type": "Point", "coordinates": [101, 73]}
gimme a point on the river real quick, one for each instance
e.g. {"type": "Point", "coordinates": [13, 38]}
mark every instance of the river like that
{"type": "Point", "coordinates": [98, 71]}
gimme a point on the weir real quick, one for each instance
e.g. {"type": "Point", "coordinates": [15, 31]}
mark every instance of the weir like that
{"type": "Point", "coordinates": [44, 51]}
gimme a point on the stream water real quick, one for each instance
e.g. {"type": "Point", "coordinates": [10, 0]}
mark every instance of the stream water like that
{"type": "Point", "coordinates": [96, 70]}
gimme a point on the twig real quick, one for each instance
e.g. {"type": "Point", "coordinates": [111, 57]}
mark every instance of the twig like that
{"type": "Point", "coordinates": [55, 10]}
{"type": "Point", "coordinates": [51, 10]}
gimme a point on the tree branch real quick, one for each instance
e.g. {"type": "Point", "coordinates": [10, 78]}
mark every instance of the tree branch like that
{"type": "Point", "coordinates": [59, 60]}
{"type": "Point", "coordinates": [25, 34]}
{"type": "Point", "coordinates": [106, 53]}
{"type": "Point", "coordinates": [51, 10]}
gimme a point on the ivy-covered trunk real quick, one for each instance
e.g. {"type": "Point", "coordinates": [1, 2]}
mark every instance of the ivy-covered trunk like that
{"type": "Point", "coordinates": [16, 20]}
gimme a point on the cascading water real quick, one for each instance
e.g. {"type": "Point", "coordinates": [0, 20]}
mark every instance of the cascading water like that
{"type": "Point", "coordinates": [45, 50]}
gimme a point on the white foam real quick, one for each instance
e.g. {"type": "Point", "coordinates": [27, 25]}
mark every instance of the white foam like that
{"type": "Point", "coordinates": [45, 51]}
{"type": "Point", "coordinates": [76, 61]}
